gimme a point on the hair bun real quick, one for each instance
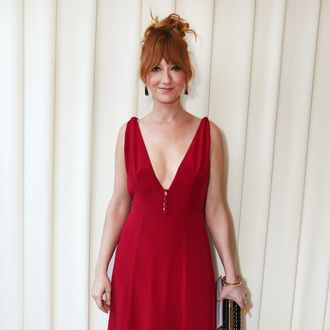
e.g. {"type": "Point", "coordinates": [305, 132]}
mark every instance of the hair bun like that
{"type": "Point", "coordinates": [173, 22]}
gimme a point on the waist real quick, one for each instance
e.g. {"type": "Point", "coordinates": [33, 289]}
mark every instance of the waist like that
{"type": "Point", "coordinates": [169, 210]}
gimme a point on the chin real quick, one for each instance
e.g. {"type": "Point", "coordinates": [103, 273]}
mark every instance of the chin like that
{"type": "Point", "coordinates": [167, 99]}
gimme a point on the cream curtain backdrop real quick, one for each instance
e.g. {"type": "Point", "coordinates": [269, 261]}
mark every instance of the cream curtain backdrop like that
{"type": "Point", "coordinates": [69, 81]}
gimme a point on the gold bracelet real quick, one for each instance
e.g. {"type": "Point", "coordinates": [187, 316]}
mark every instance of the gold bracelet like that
{"type": "Point", "coordinates": [233, 284]}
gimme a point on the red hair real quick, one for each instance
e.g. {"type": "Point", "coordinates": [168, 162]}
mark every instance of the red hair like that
{"type": "Point", "coordinates": [165, 39]}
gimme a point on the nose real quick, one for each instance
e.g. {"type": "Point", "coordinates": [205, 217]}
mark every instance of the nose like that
{"type": "Point", "coordinates": [166, 77]}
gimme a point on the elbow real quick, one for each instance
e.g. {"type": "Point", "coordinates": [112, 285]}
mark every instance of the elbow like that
{"type": "Point", "coordinates": [215, 215]}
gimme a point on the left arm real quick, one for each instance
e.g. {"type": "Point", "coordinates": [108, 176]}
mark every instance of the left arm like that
{"type": "Point", "coordinates": [218, 221]}
{"type": "Point", "coordinates": [217, 216]}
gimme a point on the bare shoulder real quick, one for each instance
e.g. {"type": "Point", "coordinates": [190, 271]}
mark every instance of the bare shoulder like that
{"type": "Point", "coordinates": [121, 137]}
{"type": "Point", "coordinates": [120, 191]}
{"type": "Point", "coordinates": [216, 189]}
{"type": "Point", "coordinates": [121, 132]}
{"type": "Point", "coordinates": [215, 130]}
{"type": "Point", "coordinates": [216, 137]}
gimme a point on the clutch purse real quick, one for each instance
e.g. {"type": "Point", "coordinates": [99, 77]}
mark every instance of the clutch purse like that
{"type": "Point", "coordinates": [228, 312]}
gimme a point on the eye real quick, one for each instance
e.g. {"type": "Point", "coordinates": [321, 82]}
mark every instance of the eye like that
{"type": "Point", "coordinates": [176, 68]}
{"type": "Point", "coordinates": [155, 69]}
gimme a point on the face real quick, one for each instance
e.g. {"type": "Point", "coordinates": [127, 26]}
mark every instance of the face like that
{"type": "Point", "coordinates": [166, 82]}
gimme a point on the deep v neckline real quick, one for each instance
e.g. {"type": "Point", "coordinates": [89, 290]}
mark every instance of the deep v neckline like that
{"type": "Point", "coordinates": [180, 164]}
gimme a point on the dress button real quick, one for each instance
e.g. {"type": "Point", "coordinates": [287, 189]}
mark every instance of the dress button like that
{"type": "Point", "coordinates": [165, 201]}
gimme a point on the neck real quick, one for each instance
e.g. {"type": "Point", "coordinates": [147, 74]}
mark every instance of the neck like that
{"type": "Point", "coordinates": [167, 111]}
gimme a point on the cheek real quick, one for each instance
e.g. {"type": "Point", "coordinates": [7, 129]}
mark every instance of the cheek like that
{"type": "Point", "coordinates": [151, 80]}
{"type": "Point", "coordinates": [180, 79]}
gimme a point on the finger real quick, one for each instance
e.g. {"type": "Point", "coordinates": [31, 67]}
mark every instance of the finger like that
{"type": "Point", "coordinates": [100, 304]}
{"type": "Point", "coordinates": [222, 296]}
{"type": "Point", "coordinates": [245, 307]}
{"type": "Point", "coordinates": [105, 302]}
{"type": "Point", "coordinates": [244, 310]}
{"type": "Point", "coordinates": [246, 300]}
{"type": "Point", "coordinates": [245, 304]}
{"type": "Point", "coordinates": [108, 296]}
{"type": "Point", "coordinates": [240, 303]}
{"type": "Point", "coordinates": [105, 306]}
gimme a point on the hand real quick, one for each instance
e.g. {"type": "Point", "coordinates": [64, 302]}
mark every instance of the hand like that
{"type": "Point", "coordinates": [101, 292]}
{"type": "Point", "coordinates": [238, 294]}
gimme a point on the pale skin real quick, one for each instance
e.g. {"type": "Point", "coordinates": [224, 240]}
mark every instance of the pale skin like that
{"type": "Point", "coordinates": [162, 128]}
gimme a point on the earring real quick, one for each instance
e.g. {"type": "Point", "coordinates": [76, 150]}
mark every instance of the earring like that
{"type": "Point", "coordinates": [186, 91]}
{"type": "Point", "coordinates": [146, 90]}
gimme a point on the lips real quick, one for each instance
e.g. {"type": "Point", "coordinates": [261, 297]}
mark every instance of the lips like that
{"type": "Point", "coordinates": [165, 89]}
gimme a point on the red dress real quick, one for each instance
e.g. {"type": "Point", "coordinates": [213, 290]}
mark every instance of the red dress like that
{"type": "Point", "coordinates": [163, 276]}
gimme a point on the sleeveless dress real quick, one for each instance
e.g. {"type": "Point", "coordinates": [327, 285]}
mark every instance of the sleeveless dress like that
{"type": "Point", "coordinates": [163, 276]}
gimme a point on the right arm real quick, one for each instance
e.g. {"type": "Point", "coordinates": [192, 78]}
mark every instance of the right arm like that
{"type": "Point", "coordinates": [116, 214]}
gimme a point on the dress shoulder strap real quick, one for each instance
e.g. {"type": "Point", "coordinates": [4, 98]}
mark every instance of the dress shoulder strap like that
{"type": "Point", "coordinates": [129, 143]}
{"type": "Point", "coordinates": [207, 138]}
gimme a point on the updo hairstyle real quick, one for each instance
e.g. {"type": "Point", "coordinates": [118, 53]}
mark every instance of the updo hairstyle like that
{"type": "Point", "coordinates": [165, 39]}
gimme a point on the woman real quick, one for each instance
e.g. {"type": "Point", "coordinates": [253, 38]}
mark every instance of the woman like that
{"type": "Point", "coordinates": [168, 187]}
